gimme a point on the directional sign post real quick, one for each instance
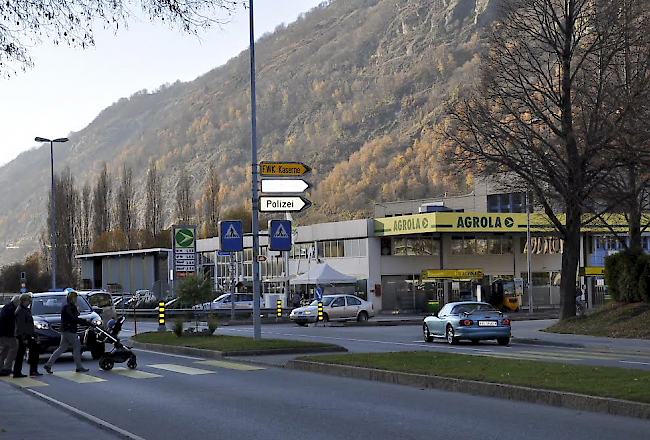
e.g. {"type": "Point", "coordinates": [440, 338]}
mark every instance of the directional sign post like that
{"type": "Point", "coordinates": [280, 235]}
{"type": "Point", "coordinates": [231, 235]}
{"type": "Point", "coordinates": [283, 204]}
{"type": "Point", "coordinates": [279, 186]}
{"type": "Point", "coordinates": [283, 169]}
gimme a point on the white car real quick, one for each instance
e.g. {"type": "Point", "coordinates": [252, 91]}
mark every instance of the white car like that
{"type": "Point", "coordinates": [335, 308]}
{"type": "Point", "coordinates": [242, 301]}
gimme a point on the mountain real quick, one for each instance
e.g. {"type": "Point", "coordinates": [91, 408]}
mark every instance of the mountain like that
{"type": "Point", "coordinates": [353, 88]}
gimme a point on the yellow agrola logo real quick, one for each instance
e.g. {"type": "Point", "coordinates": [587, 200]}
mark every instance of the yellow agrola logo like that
{"type": "Point", "coordinates": [484, 222]}
{"type": "Point", "coordinates": [410, 224]}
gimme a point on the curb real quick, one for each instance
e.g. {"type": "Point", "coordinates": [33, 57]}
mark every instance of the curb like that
{"type": "Point", "coordinates": [214, 354]}
{"type": "Point", "coordinates": [502, 391]}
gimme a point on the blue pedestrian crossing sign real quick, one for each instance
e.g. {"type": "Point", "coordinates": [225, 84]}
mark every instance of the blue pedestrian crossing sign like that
{"type": "Point", "coordinates": [280, 235]}
{"type": "Point", "coordinates": [231, 235]}
{"type": "Point", "coordinates": [319, 294]}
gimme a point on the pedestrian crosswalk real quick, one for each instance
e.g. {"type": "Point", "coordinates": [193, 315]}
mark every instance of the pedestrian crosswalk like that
{"type": "Point", "coordinates": [555, 355]}
{"type": "Point", "coordinates": [103, 376]}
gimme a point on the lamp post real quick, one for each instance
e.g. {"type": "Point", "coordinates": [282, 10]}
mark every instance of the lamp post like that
{"type": "Point", "coordinates": [40, 139]}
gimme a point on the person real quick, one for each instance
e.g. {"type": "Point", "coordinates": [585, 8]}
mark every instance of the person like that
{"type": "Point", "coordinates": [295, 299]}
{"type": "Point", "coordinates": [8, 341]}
{"type": "Point", "coordinates": [69, 338]}
{"type": "Point", "coordinates": [26, 336]}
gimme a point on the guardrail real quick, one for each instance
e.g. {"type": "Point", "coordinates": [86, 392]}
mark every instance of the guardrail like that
{"type": "Point", "coordinates": [223, 313]}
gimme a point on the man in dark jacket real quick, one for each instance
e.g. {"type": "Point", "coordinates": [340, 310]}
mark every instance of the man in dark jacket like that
{"type": "Point", "coordinates": [8, 341]}
{"type": "Point", "coordinates": [26, 336]}
{"type": "Point", "coordinates": [69, 338]}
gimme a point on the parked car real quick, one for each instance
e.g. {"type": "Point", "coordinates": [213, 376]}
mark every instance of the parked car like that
{"type": "Point", "coordinates": [471, 320]}
{"type": "Point", "coordinates": [103, 300]}
{"type": "Point", "coordinates": [242, 301]}
{"type": "Point", "coordinates": [335, 308]}
{"type": "Point", "coordinates": [46, 310]}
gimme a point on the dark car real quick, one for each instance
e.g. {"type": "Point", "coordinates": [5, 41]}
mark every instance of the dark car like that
{"type": "Point", "coordinates": [46, 310]}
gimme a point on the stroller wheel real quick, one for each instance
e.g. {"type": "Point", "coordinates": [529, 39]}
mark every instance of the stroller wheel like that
{"type": "Point", "coordinates": [106, 364]}
{"type": "Point", "coordinates": [132, 363]}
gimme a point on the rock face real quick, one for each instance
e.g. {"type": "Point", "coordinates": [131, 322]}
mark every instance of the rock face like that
{"type": "Point", "coordinates": [353, 88]}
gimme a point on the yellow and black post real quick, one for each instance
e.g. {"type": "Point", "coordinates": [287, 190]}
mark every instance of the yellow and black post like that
{"type": "Point", "coordinates": [320, 311]}
{"type": "Point", "coordinates": [161, 317]}
{"type": "Point", "coordinates": [279, 308]}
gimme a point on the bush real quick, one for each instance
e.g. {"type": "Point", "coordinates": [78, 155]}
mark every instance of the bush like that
{"type": "Point", "coordinates": [178, 327]}
{"type": "Point", "coordinates": [213, 323]}
{"type": "Point", "coordinates": [627, 276]}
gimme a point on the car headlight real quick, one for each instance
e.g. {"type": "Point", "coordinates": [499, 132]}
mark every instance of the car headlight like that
{"type": "Point", "coordinates": [42, 325]}
{"type": "Point", "coordinates": [97, 321]}
{"type": "Point", "coordinates": [307, 312]}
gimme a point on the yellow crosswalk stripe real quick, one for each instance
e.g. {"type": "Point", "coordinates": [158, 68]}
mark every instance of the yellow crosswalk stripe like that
{"type": "Point", "coordinates": [24, 382]}
{"type": "Point", "coordinates": [135, 374]}
{"type": "Point", "coordinates": [181, 369]}
{"type": "Point", "coordinates": [575, 355]}
{"type": "Point", "coordinates": [78, 377]}
{"type": "Point", "coordinates": [230, 365]}
{"type": "Point", "coordinates": [529, 356]}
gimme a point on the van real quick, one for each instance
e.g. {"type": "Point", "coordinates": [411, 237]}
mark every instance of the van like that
{"type": "Point", "coordinates": [103, 300]}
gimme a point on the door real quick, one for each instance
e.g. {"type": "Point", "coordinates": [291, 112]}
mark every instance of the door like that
{"type": "Point", "coordinates": [352, 307]}
{"type": "Point", "coordinates": [337, 309]}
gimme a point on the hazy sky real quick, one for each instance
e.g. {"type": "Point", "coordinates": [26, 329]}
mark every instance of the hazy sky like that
{"type": "Point", "coordinates": [67, 88]}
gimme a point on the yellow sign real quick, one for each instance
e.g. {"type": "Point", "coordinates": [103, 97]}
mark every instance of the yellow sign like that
{"type": "Point", "coordinates": [283, 169]}
{"type": "Point", "coordinates": [457, 274]}
{"type": "Point", "coordinates": [592, 271]}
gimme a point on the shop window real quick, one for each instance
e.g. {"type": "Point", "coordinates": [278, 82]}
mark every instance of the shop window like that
{"type": "Point", "coordinates": [456, 245]}
{"type": "Point", "coordinates": [481, 246]}
{"type": "Point", "coordinates": [469, 245]}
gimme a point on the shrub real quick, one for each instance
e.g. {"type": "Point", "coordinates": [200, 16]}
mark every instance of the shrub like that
{"type": "Point", "coordinates": [178, 327]}
{"type": "Point", "coordinates": [627, 276]}
{"type": "Point", "coordinates": [213, 323]}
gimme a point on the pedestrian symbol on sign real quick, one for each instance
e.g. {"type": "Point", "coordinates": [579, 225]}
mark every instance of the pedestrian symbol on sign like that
{"type": "Point", "coordinates": [280, 232]}
{"type": "Point", "coordinates": [232, 233]}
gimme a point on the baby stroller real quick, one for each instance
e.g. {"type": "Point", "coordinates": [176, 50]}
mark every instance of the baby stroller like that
{"type": "Point", "coordinates": [119, 353]}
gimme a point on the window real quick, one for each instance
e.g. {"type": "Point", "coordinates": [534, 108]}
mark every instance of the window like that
{"type": "Point", "coordinates": [417, 246]}
{"type": "Point", "coordinates": [352, 301]}
{"type": "Point", "coordinates": [510, 202]}
{"type": "Point", "coordinates": [339, 302]}
{"type": "Point", "coordinates": [470, 245]}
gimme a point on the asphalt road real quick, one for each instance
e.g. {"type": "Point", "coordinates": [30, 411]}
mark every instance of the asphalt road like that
{"type": "Point", "coordinates": [368, 339]}
{"type": "Point", "coordinates": [181, 397]}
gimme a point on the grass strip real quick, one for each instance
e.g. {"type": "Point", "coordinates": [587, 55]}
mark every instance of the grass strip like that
{"type": "Point", "coordinates": [612, 382]}
{"type": "Point", "coordinates": [224, 343]}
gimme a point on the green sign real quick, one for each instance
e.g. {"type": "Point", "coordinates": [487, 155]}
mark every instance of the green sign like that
{"type": "Point", "coordinates": [184, 238]}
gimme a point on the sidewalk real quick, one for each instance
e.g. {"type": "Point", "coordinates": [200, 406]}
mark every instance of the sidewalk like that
{"type": "Point", "coordinates": [26, 417]}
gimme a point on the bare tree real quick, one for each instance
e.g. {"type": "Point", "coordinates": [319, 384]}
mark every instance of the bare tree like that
{"type": "Point", "coordinates": [84, 234]}
{"type": "Point", "coordinates": [184, 204]}
{"type": "Point", "coordinates": [153, 211]}
{"type": "Point", "coordinates": [72, 22]}
{"type": "Point", "coordinates": [125, 204]}
{"type": "Point", "coordinates": [101, 197]}
{"type": "Point", "coordinates": [547, 112]}
{"type": "Point", "coordinates": [211, 203]}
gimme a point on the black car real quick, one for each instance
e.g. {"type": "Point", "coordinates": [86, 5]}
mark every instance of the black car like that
{"type": "Point", "coordinates": [46, 310]}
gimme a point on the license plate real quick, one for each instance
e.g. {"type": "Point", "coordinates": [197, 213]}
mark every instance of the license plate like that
{"type": "Point", "coordinates": [487, 323]}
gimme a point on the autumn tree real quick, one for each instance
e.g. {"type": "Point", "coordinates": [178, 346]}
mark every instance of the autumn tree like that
{"type": "Point", "coordinates": [546, 111]}
{"type": "Point", "coordinates": [101, 206]}
{"type": "Point", "coordinates": [184, 204]}
{"type": "Point", "coordinates": [154, 202]}
{"type": "Point", "coordinates": [125, 204]}
{"type": "Point", "coordinates": [72, 22]}
{"type": "Point", "coordinates": [85, 218]}
{"type": "Point", "coordinates": [211, 203]}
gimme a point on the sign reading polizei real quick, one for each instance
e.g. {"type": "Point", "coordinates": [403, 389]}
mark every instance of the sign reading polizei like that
{"type": "Point", "coordinates": [184, 250]}
{"type": "Point", "coordinates": [283, 204]}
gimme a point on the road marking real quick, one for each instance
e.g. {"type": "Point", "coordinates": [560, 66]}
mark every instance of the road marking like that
{"type": "Point", "coordinates": [192, 358]}
{"type": "Point", "coordinates": [78, 377]}
{"type": "Point", "coordinates": [572, 355]}
{"type": "Point", "coordinates": [633, 362]}
{"type": "Point", "coordinates": [24, 382]}
{"type": "Point", "coordinates": [135, 374]}
{"type": "Point", "coordinates": [88, 416]}
{"type": "Point", "coordinates": [231, 365]}
{"type": "Point", "coordinates": [181, 369]}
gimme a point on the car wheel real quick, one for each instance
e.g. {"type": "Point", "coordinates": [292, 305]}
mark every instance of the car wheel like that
{"type": "Point", "coordinates": [132, 362]}
{"type": "Point", "coordinates": [503, 341]}
{"type": "Point", "coordinates": [97, 351]}
{"type": "Point", "coordinates": [106, 364]}
{"type": "Point", "coordinates": [451, 339]}
{"type": "Point", "coordinates": [363, 317]}
{"type": "Point", "coordinates": [426, 333]}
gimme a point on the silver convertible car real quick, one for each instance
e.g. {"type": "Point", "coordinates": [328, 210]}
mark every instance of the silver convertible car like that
{"type": "Point", "coordinates": [471, 320]}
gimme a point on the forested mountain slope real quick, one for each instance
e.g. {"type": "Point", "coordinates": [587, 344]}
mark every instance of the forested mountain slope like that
{"type": "Point", "coordinates": [353, 88]}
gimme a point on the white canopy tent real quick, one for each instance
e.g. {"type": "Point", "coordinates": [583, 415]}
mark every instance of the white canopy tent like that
{"type": "Point", "coordinates": [323, 274]}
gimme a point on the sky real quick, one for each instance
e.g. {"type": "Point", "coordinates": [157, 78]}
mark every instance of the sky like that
{"type": "Point", "coordinates": [68, 87]}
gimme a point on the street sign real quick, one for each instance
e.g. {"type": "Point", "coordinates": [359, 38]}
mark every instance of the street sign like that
{"type": "Point", "coordinates": [319, 294]}
{"type": "Point", "coordinates": [283, 204]}
{"type": "Point", "coordinates": [223, 254]}
{"type": "Point", "coordinates": [283, 169]}
{"type": "Point", "coordinates": [183, 250]}
{"type": "Point", "coordinates": [278, 186]}
{"type": "Point", "coordinates": [231, 235]}
{"type": "Point", "coordinates": [280, 235]}
{"type": "Point", "coordinates": [261, 258]}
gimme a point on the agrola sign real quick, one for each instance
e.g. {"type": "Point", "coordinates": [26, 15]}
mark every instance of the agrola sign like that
{"type": "Point", "coordinates": [449, 222]}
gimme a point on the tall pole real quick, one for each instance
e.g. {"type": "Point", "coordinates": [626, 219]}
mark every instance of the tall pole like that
{"type": "Point", "coordinates": [257, 331]}
{"type": "Point", "coordinates": [529, 254]}
{"type": "Point", "coordinates": [52, 218]}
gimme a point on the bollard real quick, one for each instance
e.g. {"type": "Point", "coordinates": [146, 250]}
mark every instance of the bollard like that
{"type": "Point", "coordinates": [320, 311]}
{"type": "Point", "coordinates": [161, 317]}
{"type": "Point", "coordinates": [279, 308]}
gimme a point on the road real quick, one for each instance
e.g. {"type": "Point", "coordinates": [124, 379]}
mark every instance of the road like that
{"type": "Point", "coordinates": [172, 397]}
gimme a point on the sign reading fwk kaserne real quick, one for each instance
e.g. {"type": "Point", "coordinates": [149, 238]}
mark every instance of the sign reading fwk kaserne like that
{"type": "Point", "coordinates": [286, 192]}
{"type": "Point", "coordinates": [184, 250]}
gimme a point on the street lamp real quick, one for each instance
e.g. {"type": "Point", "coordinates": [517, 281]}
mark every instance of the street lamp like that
{"type": "Point", "coordinates": [40, 139]}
